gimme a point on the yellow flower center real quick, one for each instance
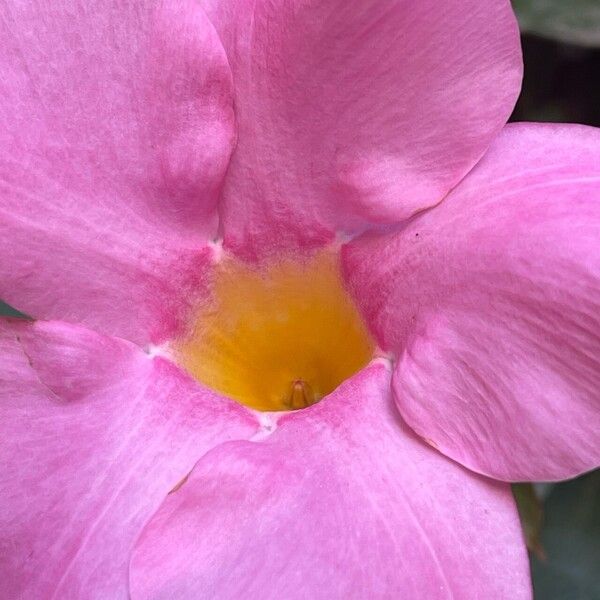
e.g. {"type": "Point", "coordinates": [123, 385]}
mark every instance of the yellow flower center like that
{"type": "Point", "coordinates": [277, 337]}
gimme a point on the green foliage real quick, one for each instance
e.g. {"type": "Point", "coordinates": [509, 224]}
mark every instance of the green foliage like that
{"type": "Point", "coordinates": [8, 311]}
{"type": "Point", "coordinates": [531, 514]}
{"type": "Point", "coordinates": [570, 538]}
{"type": "Point", "coordinates": [572, 21]}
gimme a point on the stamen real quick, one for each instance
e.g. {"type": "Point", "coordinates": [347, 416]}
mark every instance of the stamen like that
{"type": "Point", "coordinates": [300, 395]}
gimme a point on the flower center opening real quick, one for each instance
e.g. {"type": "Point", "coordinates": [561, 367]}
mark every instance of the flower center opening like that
{"type": "Point", "coordinates": [278, 337]}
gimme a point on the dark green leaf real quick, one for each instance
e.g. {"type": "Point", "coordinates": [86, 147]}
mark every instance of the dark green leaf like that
{"type": "Point", "coordinates": [572, 21]}
{"type": "Point", "coordinates": [531, 514]}
{"type": "Point", "coordinates": [571, 540]}
{"type": "Point", "coordinates": [8, 311]}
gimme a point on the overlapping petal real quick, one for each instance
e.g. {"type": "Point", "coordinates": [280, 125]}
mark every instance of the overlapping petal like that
{"type": "Point", "coordinates": [341, 501]}
{"type": "Point", "coordinates": [116, 126]}
{"type": "Point", "coordinates": [93, 435]}
{"type": "Point", "coordinates": [356, 114]}
{"type": "Point", "coordinates": [492, 302]}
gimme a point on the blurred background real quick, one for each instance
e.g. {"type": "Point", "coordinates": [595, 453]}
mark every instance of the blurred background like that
{"type": "Point", "coordinates": [561, 50]}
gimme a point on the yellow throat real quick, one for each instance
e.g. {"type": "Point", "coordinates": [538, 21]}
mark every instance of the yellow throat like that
{"type": "Point", "coordinates": [277, 337]}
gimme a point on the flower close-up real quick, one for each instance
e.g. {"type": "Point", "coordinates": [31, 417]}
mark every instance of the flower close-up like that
{"type": "Point", "coordinates": [298, 303]}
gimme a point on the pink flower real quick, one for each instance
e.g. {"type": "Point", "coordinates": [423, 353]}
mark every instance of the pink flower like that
{"type": "Point", "coordinates": [134, 133]}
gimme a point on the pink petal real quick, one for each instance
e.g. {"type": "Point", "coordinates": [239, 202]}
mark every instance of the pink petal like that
{"type": "Point", "coordinates": [341, 501]}
{"type": "Point", "coordinates": [356, 114]}
{"type": "Point", "coordinates": [116, 130]}
{"type": "Point", "coordinates": [492, 303]}
{"type": "Point", "coordinates": [93, 435]}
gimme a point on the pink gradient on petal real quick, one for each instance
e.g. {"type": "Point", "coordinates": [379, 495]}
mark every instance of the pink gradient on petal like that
{"type": "Point", "coordinates": [341, 501]}
{"type": "Point", "coordinates": [116, 123]}
{"type": "Point", "coordinates": [357, 114]}
{"type": "Point", "coordinates": [492, 302]}
{"type": "Point", "coordinates": [93, 436]}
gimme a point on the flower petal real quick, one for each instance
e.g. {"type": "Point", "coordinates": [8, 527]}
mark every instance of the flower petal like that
{"type": "Point", "coordinates": [341, 501]}
{"type": "Point", "coordinates": [492, 302]}
{"type": "Point", "coordinates": [351, 115]}
{"type": "Point", "coordinates": [93, 435]}
{"type": "Point", "coordinates": [116, 130]}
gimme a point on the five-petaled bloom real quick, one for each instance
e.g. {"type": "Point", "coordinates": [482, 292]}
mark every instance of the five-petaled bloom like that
{"type": "Point", "coordinates": [219, 212]}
